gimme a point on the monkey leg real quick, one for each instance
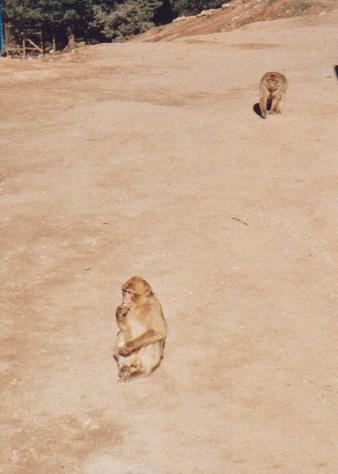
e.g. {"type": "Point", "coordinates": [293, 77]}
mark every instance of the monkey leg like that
{"type": "Point", "coordinates": [128, 372]}
{"type": "Point", "coordinates": [263, 107]}
{"type": "Point", "coordinates": [279, 106]}
{"type": "Point", "coordinates": [124, 374]}
{"type": "Point", "coordinates": [126, 363]}
{"type": "Point", "coordinates": [149, 357]}
{"type": "Point", "coordinates": [146, 360]}
{"type": "Point", "coordinates": [276, 105]}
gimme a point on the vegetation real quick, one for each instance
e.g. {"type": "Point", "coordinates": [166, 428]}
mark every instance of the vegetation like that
{"type": "Point", "coordinates": [95, 20]}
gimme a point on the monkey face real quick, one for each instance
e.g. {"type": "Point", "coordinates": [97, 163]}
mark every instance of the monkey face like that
{"type": "Point", "coordinates": [135, 291]}
{"type": "Point", "coordinates": [127, 297]}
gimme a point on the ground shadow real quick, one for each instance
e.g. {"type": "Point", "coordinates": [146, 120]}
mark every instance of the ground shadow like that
{"type": "Point", "coordinates": [256, 108]}
{"type": "Point", "coordinates": [336, 70]}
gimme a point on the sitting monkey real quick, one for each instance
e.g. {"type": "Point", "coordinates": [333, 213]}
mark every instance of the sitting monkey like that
{"type": "Point", "coordinates": [141, 339]}
{"type": "Point", "coordinates": [272, 88]}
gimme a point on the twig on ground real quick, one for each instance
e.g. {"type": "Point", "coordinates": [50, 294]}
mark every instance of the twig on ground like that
{"type": "Point", "coordinates": [238, 219]}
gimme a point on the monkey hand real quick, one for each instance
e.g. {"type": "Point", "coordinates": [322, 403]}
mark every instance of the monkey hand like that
{"type": "Point", "coordinates": [122, 311]}
{"type": "Point", "coordinates": [126, 349]}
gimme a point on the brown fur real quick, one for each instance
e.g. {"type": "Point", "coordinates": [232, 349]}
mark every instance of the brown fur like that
{"type": "Point", "coordinates": [272, 88]}
{"type": "Point", "coordinates": [140, 341]}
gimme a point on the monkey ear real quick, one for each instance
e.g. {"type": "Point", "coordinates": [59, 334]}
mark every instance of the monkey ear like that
{"type": "Point", "coordinates": [148, 291]}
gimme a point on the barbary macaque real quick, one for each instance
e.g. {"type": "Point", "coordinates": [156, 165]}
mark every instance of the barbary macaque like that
{"type": "Point", "coordinates": [142, 330]}
{"type": "Point", "coordinates": [272, 89]}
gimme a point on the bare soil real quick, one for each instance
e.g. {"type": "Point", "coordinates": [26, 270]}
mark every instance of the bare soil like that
{"type": "Point", "coordinates": [148, 158]}
{"type": "Point", "coordinates": [235, 14]}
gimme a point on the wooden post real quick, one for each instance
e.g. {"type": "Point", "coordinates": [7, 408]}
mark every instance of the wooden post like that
{"type": "Point", "coordinates": [24, 47]}
{"type": "Point", "coordinates": [35, 46]}
{"type": "Point", "coordinates": [6, 37]}
{"type": "Point", "coordinates": [41, 44]}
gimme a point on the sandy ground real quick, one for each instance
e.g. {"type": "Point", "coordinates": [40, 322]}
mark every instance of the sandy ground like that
{"type": "Point", "coordinates": [149, 159]}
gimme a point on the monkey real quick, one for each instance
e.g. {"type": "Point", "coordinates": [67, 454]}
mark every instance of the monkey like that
{"type": "Point", "coordinates": [142, 332]}
{"type": "Point", "coordinates": [272, 88]}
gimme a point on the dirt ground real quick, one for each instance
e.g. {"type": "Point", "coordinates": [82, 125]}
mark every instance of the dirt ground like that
{"type": "Point", "coordinates": [234, 14]}
{"type": "Point", "coordinates": [149, 159]}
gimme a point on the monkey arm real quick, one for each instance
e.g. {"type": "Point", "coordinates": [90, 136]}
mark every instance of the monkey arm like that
{"type": "Point", "coordinates": [149, 337]}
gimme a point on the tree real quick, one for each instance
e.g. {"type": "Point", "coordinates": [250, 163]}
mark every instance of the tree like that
{"type": "Point", "coordinates": [64, 21]}
{"type": "Point", "coordinates": [126, 19]}
{"type": "Point", "coordinates": [56, 18]}
{"type": "Point", "coordinates": [21, 14]}
{"type": "Point", "coordinates": [92, 20]}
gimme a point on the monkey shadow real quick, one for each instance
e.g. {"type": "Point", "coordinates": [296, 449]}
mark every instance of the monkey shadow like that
{"type": "Point", "coordinates": [256, 108]}
{"type": "Point", "coordinates": [336, 70]}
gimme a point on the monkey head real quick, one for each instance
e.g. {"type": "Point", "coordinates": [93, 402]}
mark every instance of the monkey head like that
{"type": "Point", "coordinates": [135, 291]}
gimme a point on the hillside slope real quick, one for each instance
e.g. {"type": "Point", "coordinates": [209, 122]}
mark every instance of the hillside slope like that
{"type": "Point", "coordinates": [148, 158]}
{"type": "Point", "coordinates": [234, 15]}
